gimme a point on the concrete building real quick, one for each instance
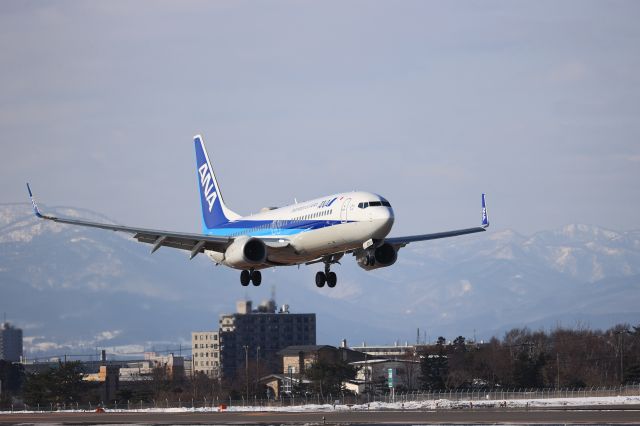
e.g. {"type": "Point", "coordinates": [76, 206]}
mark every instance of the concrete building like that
{"type": "Point", "coordinates": [136, 370]}
{"type": "Point", "coordinates": [254, 337]}
{"type": "Point", "coordinates": [205, 347]}
{"type": "Point", "coordinates": [373, 375]}
{"type": "Point", "coordinates": [10, 343]}
{"type": "Point", "coordinates": [296, 359]}
{"type": "Point", "coordinates": [173, 365]}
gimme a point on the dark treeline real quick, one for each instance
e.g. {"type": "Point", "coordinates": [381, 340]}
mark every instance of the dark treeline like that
{"type": "Point", "coordinates": [535, 359]}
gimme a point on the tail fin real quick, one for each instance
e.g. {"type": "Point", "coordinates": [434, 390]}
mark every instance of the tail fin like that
{"type": "Point", "coordinates": [485, 218]}
{"type": "Point", "coordinates": [214, 211]}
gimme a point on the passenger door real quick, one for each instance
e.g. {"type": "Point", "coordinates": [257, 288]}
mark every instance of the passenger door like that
{"type": "Point", "coordinates": [344, 210]}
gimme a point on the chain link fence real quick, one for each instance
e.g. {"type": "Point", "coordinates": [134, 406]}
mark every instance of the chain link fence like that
{"type": "Point", "coordinates": [342, 399]}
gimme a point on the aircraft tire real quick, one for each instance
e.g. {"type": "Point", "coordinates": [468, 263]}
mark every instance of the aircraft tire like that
{"type": "Point", "coordinates": [321, 278]}
{"type": "Point", "coordinates": [332, 279]}
{"type": "Point", "coordinates": [256, 278]}
{"type": "Point", "coordinates": [245, 278]}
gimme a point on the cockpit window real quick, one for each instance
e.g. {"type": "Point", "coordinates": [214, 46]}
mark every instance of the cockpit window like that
{"type": "Point", "coordinates": [366, 204]}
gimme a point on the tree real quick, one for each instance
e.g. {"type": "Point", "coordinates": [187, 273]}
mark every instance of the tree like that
{"type": "Point", "coordinates": [11, 377]}
{"type": "Point", "coordinates": [527, 370]}
{"type": "Point", "coordinates": [434, 370]}
{"type": "Point", "coordinates": [327, 377]}
{"type": "Point", "coordinates": [435, 367]}
{"type": "Point", "coordinates": [62, 384]}
{"type": "Point", "coordinates": [459, 344]}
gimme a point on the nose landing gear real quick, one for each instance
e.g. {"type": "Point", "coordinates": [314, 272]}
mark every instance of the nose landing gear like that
{"type": "Point", "coordinates": [252, 276]}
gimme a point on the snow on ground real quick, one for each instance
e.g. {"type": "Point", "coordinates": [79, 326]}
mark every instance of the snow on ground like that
{"type": "Point", "coordinates": [442, 404]}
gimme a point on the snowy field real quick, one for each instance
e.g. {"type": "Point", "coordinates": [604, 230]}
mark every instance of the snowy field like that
{"type": "Point", "coordinates": [441, 404]}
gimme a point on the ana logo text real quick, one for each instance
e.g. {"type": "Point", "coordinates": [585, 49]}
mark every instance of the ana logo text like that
{"type": "Point", "coordinates": [326, 203]}
{"type": "Point", "coordinates": [207, 185]}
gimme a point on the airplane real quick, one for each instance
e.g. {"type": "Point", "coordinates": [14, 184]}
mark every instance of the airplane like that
{"type": "Point", "coordinates": [321, 230]}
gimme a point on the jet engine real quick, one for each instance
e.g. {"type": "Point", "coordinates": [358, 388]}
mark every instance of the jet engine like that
{"type": "Point", "coordinates": [244, 253]}
{"type": "Point", "coordinates": [378, 257]}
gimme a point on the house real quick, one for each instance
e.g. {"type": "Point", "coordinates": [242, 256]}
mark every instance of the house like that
{"type": "Point", "coordinates": [373, 375]}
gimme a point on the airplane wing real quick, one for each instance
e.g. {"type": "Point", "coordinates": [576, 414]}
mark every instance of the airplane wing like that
{"type": "Point", "coordinates": [403, 241]}
{"type": "Point", "coordinates": [195, 243]}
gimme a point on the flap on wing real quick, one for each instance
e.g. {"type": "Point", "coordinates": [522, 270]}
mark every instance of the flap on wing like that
{"type": "Point", "coordinates": [196, 243]}
{"type": "Point", "coordinates": [184, 243]}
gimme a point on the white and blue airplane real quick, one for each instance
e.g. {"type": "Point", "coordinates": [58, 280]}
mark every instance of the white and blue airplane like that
{"type": "Point", "coordinates": [322, 230]}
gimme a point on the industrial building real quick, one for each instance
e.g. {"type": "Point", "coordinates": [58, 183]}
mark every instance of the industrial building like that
{"type": "Point", "coordinates": [387, 351]}
{"type": "Point", "coordinates": [10, 343]}
{"type": "Point", "coordinates": [256, 335]}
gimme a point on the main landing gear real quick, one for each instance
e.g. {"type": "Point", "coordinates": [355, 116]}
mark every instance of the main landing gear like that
{"type": "Point", "coordinates": [252, 276]}
{"type": "Point", "coordinates": [326, 277]}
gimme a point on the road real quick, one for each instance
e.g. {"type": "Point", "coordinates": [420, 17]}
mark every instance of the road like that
{"type": "Point", "coordinates": [582, 415]}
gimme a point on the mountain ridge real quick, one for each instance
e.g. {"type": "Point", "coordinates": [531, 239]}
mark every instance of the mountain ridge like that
{"type": "Point", "coordinates": [74, 288]}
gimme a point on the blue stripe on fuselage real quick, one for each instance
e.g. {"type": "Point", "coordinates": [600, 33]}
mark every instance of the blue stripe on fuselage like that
{"type": "Point", "coordinates": [263, 228]}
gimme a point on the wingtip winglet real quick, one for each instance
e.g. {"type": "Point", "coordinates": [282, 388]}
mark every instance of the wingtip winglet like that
{"type": "Point", "coordinates": [485, 217]}
{"type": "Point", "coordinates": [33, 202]}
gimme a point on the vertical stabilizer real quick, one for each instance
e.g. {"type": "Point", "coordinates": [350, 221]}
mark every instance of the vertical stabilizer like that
{"type": "Point", "coordinates": [214, 211]}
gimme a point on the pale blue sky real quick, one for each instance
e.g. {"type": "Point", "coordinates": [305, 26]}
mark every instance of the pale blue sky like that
{"type": "Point", "coordinates": [427, 103]}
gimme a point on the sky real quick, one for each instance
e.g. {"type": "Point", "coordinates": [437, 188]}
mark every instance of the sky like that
{"type": "Point", "coordinates": [426, 103]}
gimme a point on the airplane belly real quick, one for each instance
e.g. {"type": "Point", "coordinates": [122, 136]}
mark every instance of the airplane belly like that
{"type": "Point", "coordinates": [328, 240]}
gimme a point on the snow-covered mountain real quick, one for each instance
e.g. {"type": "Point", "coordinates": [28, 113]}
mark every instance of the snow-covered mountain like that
{"type": "Point", "coordinates": [74, 289]}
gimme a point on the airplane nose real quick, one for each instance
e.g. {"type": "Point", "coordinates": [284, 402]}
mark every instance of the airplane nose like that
{"type": "Point", "coordinates": [384, 221]}
{"type": "Point", "coordinates": [389, 216]}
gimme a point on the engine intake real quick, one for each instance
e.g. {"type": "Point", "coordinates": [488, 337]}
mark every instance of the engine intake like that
{"type": "Point", "coordinates": [379, 257]}
{"type": "Point", "coordinates": [244, 253]}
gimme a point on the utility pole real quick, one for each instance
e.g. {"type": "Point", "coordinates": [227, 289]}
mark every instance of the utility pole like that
{"type": "Point", "coordinates": [621, 357]}
{"type": "Point", "coordinates": [246, 369]}
{"type": "Point", "coordinates": [557, 370]}
{"type": "Point", "coordinates": [257, 366]}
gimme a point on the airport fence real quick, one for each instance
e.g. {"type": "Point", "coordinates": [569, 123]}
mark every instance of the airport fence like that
{"type": "Point", "coordinates": [345, 399]}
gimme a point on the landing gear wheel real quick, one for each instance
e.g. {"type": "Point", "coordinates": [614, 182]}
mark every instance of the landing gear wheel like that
{"type": "Point", "coordinates": [332, 279]}
{"type": "Point", "coordinates": [321, 278]}
{"type": "Point", "coordinates": [256, 278]}
{"type": "Point", "coordinates": [245, 278]}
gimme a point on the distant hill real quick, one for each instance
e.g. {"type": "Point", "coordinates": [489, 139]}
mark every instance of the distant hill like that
{"type": "Point", "coordinates": [74, 289]}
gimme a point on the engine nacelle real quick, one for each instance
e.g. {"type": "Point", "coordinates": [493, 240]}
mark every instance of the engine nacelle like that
{"type": "Point", "coordinates": [379, 257]}
{"type": "Point", "coordinates": [244, 253]}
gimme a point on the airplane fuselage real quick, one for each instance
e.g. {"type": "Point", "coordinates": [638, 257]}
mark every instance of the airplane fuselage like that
{"type": "Point", "coordinates": [315, 228]}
